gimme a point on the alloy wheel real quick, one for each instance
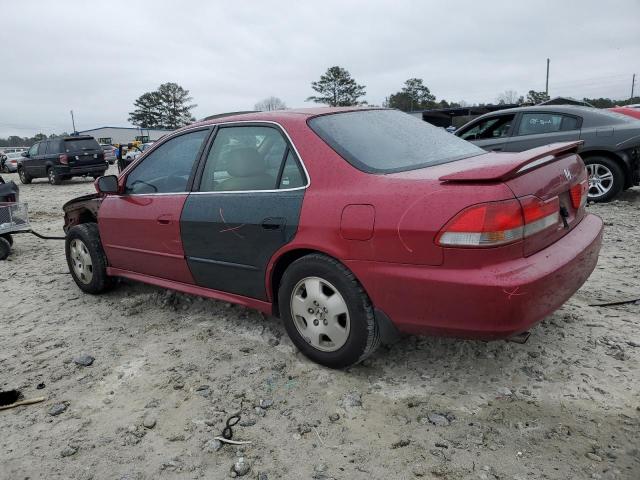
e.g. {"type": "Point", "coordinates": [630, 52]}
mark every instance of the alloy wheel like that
{"type": "Point", "coordinates": [81, 259]}
{"type": "Point", "coordinates": [600, 180]}
{"type": "Point", "coordinates": [320, 314]}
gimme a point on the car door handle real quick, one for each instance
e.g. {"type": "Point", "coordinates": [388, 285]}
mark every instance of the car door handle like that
{"type": "Point", "coordinates": [273, 223]}
{"type": "Point", "coordinates": [496, 149]}
{"type": "Point", "coordinates": [164, 219]}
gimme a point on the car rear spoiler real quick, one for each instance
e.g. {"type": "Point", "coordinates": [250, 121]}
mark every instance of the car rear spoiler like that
{"type": "Point", "coordinates": [499, 167]}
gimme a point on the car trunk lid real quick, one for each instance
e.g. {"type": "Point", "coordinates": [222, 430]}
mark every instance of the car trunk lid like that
{"type": "Point", "coordinates": [549, 175]}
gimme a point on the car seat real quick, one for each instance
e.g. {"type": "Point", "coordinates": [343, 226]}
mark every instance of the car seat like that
{"type": "Point", "coordinates": [247, 171]}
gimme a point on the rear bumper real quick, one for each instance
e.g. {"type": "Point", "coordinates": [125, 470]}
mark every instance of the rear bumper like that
{"type": "Point", "coordinates": [494, 301]}
{"type": "Point", "coordinates": [94, 169]}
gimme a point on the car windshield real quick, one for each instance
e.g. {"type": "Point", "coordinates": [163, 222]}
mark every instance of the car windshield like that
{"type": "Point", "coordinates": [81, 144]}
{"type": "Point", "coordinates": [386, 141]}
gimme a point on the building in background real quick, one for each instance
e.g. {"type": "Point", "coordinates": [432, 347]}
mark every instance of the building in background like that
{"type": "Point", "coordinates": [124, 135]}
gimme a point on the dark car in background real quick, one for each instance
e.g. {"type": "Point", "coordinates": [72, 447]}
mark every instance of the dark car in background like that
{"type": "Point", "coordinates": [611, 148]}
{"type": "Point", "coordinates": [61, 158]}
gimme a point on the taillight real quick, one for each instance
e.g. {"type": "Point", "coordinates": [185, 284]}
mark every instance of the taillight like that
{"type": "Point", "coordinates": [484, 225]}
{"type": "Point", "coordinates": [539, 214]}
{"type": "Point", "coordinates": [500, 223]}
{"type": "Point", "coordinates": [64, 159]}
{"type": "Point", "coordinates": [579, 194]}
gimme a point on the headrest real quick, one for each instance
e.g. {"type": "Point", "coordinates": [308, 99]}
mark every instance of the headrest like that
{"type": "Point", "coordinates": [244, 162]}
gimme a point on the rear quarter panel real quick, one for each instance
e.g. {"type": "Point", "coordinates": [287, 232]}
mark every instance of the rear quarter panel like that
{"type": "Point", "coordinates": [410, 207]}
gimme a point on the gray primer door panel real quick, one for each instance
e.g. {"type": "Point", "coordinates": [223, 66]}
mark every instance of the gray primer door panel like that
{"type": "Point", "coordinates": [229, 238]}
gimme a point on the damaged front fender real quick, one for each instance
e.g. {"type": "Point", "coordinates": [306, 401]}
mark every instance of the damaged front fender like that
{"type": "Point", "coordinates": [81, 210]}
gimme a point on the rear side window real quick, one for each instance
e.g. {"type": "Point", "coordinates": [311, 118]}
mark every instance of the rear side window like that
{"type": "Point", "coordinates": [246, 158]}
{"type": "Point", "coordinates": [167, 169]}
{"type": "Point", "coordinates": [53, 147]}
{"type": "Point", "coordinates": [80, 145]}
{"type": "Point", "coordinates": [539, 123]}
{"type": "Point", "coordinates": [292, 175]}
{"type": "Point", "coordinates": [386, 141]}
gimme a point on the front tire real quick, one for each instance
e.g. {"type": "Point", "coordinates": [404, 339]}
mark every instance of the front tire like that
{"type": "Point", "coordinates": [25, 178]}
{"type": "Point", "coordinates": [86, 259]}
{"type": "Point", "coordinates": [606, 179]}
{"type": "Point", "coordinates": [326, 312]}
{"type": "Point", "coordinates": [53, 178]}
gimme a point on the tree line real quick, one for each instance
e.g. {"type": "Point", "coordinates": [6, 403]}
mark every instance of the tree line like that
{"type": "Point", "coordinates": [170, 105]}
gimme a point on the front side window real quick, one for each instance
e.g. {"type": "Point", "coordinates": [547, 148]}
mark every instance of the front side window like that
{"type": "Point", "coordinates": [167, 169]}
{"type": "Point", "coordinates": [386, 141]}
{"type": "Point", "coordinates": [33, 151]}
{"type": "Point", "coordinates": [541, 123]}
{"type": "Point", "coordinates": [244, 158]}
{"type": "Point", "coordinates": [42, 148]}
{"type": "Point", "coordinates": [494, 127]}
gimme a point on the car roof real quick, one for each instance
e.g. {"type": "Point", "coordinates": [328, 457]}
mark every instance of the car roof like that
{"type": "Point", "coordinates": [279, 115]}
{"type": "Point", "coordinates": [575, 109]}
{"type": "Point", "coordinates": [591, 116]}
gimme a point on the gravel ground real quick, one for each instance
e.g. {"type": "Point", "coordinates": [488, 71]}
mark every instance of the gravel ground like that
{"type": "Point", "coordinates": [169, 369]}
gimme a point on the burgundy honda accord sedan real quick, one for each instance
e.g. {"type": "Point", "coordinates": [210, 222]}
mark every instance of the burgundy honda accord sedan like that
{"type": "Point", "coordinates": [349, 224]}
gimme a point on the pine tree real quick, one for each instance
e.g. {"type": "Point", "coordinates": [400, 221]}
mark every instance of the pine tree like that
{"type": "Point", "coordinates": [336, 88]}
{"type": "Point", "coordinates": [167, 107]}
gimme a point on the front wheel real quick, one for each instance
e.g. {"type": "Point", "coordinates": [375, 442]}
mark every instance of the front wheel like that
{"type": "Point", "coordinates": [606, 179]}
{"type": "Point", "coordinates": [326, 312]}
{"type": "Point", "coordinates": [86, 259]}
{"type": "Point", "coordinates": [25, 178]}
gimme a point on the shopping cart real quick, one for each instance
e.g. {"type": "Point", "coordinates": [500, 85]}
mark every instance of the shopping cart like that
{"type": "Point", "coordinates": [14, 219]}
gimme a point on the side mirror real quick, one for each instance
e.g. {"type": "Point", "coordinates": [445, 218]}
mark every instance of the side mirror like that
{"type": "Point", "coordinates": [25, 154]}
{"type": "Point", "coordinates": [107, 184]}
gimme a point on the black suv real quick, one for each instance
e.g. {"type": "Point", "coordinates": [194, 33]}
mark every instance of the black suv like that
{"type": "Point", "coordinates": [62, 158]}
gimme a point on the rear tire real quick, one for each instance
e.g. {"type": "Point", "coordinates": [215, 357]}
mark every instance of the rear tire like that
{"type": "Point", "coordinates": [319, 298]}
{"type": "Point", "coordinates": [5, 248]}
{"type": "Point", "coordinates": [8, 237]}
{"type": "Point", "coordinates": [606, 179]}
{"type": "Point", "coordinates": [86, 259]}
{"type": "Point", "coordinates": [53, 178]}
{"type": "Point", "coordinates": [25, 178]}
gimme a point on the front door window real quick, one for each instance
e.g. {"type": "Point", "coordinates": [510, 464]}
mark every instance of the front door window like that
{"type": "Point", "coordinates": [168, 168]}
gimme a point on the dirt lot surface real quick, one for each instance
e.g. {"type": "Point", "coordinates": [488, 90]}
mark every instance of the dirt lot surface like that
{"type": "Point", "coordinates": [169, 370]}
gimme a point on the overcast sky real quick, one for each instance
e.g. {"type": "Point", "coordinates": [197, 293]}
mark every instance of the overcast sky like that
{"type": "Point", "coordinates": [97, 57]}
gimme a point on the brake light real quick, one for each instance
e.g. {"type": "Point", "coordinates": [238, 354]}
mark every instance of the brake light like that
{"type": "Point", "coordinates": [484, 225]}
{"type": "Point", "coordinates": [64, 159]}
{"type": "Point", "coordinates": [500, 223]}
{"type": "Point", "coordinates": [579, 194]}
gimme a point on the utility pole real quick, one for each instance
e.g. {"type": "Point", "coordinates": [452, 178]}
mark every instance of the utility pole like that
{"type": "Point", "coordinates": [546, 88]}
{"type": "Point", "coordinates": [73, 122]}
{"type": "Point", "coordinates": [633, 84]}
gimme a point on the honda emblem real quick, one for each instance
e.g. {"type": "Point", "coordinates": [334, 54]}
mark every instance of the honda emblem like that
{"type": "Point", "coordinates": [567, 174]}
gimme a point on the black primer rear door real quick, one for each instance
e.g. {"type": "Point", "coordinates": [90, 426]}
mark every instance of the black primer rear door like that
{"type": "Point", "coordinates": [247, 206]}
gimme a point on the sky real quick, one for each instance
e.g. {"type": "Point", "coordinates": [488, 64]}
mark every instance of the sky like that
{"type": "Point", "coordinates": [96, 57]}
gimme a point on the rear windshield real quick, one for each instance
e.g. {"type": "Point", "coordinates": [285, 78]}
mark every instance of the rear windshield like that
{"type": "Point", "coordinates": [80, 145]}
{"type": "Point", "coordinates": [386, 141]}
